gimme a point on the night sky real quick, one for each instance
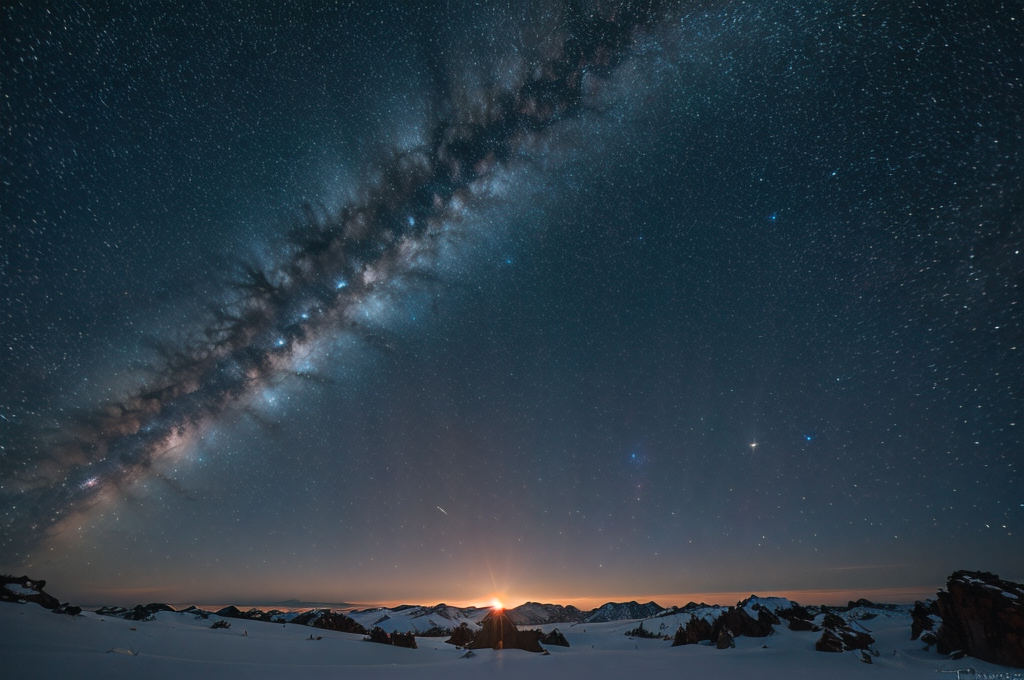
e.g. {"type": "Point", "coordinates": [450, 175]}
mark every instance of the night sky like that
{"type": "Point", "coordinates": [560, 302]}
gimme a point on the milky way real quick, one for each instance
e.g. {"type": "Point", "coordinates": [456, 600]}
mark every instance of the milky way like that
{"type": "Point", "coordinates": [551, 299]}
{"type": "Point", "coordinates": [335, 263]}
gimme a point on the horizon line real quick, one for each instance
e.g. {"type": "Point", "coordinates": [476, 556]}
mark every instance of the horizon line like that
{"type": "Point", "coordinates": [807, 596]}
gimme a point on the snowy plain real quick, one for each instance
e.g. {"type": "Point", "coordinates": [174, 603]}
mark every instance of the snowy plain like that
{"type": "Point", "coordinates": [36, 643]}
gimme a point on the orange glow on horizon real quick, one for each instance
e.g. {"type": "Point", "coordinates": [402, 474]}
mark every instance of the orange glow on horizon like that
{"type": "Point", "coordinates": [837, 596]}
{"type": "Point", "coordinates": [501, 600]}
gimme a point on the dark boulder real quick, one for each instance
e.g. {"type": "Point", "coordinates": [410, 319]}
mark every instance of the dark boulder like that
{"type": "Point", "coordinates": [725, 640]}
{"type": "Point", "coordinates": [982, 615]}
{"type": "Point", "coordinates": [69, 609]}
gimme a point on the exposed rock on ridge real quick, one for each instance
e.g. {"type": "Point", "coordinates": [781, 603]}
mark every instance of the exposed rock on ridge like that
{"type": "Point", "coordinates": [982, 615]}
{"type": "Point", "coordinates": [24, 589]}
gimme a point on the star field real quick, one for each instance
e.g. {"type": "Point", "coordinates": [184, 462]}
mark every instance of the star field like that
{"type": "Point", "coordinates": [650, 298]}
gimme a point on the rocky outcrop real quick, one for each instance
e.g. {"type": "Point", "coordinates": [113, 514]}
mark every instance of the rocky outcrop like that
{"type": "Point", "coordinates": [697, 630]}
{"type": "Point", "coordinates": [196, 612]}
{"type": "Point", "coordinates": [497, 631]}
{"type": "Point", "coordinates": [329, 620]}
{"type": "Point", "coordinates": [407, 640]}
{"type": "Point", "coordinates": [868, 604]}
{"type": "Point", "coordinates": [619, 611]}
{"type": "Point", "coordinates": [799, 619]}
{"type": "Point", "coordinates": [923, 617]}
{"type": "Point", "coordinates": [147, 612]}
{"type": "Point", "coordinates": [140, 612]}
{"type": "Point", "coordinates": [802, 625]}
{"type": "Point", "coordinates": [24, 589]}
{"type": "Point", "coordinates": [982, 615]}
{"type": "Point", "coordinates": [839, 636]}
{"type": "Point", "coordinates": [462, 636]}
{"type": "Point", "coordinates": [679, 639]}
{"type": "Point", "coordinates": [254, 614]}
{"type": "Point", "coordinates": [554, 638]}
{"type": "Point", "coordinates": [396, 639]}
{"type": "Point", "coordinates": [643, 633]}
{"type": "Point", "coordinates": [737, 621]}
{"type": "Point", "coordinates": [829, 642]}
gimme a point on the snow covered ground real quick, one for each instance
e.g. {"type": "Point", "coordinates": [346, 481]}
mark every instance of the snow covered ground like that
{"type": "Point", "coordinates": [36, 643]}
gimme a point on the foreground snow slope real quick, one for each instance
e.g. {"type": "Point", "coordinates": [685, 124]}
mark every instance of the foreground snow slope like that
{"type": "Point", "coordinates": [35, 643]}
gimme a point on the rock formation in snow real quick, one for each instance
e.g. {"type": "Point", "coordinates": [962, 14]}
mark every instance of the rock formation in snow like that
{"type": "Point", "coordinates": [499, 632]}
{"type": "Point", "coordinates": [982, 615]}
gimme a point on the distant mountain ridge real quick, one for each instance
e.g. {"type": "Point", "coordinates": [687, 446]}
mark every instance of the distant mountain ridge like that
{"type": "Point", "coordinates": [535, 614]}
{"type": "Point", "coordinates": [980, 614]}
{"type": "Point", "coordinates": [418, 618]}
{"type": "Point", "coordinates": [618, 611]}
